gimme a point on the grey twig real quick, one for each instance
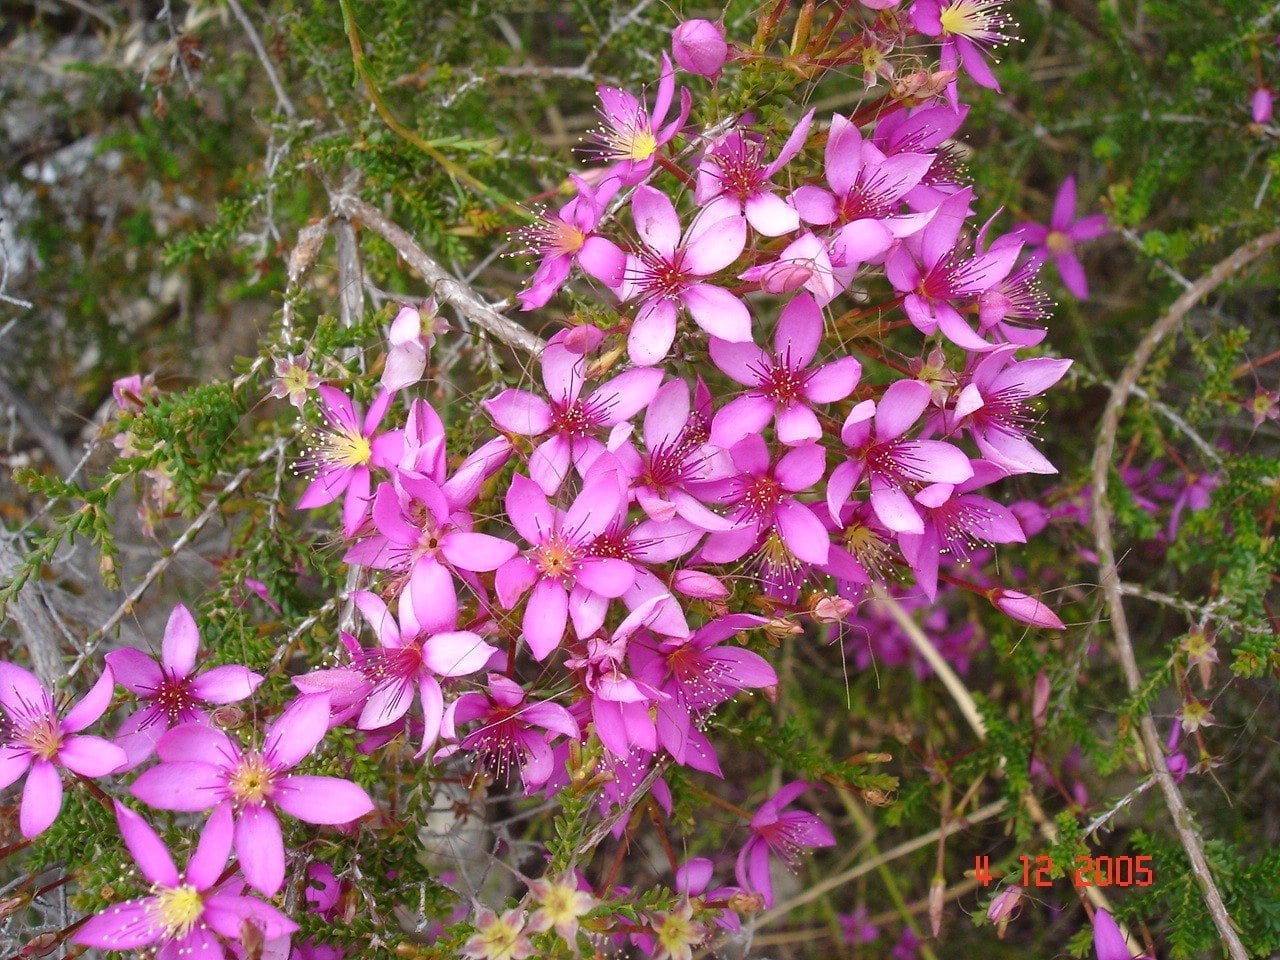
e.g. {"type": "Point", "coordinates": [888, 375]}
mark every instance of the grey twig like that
{"type": "Point", "coordinates": [255, 41]}
{"type": "Point", "coordinates": [38, 425]}
{"type": "Point", "coordinates": [447, 287]}
{"type": "Point", "coordinates": [1109, 574]}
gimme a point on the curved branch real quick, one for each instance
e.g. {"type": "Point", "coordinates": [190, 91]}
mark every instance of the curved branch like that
{"type": "Point", "coordinates": [1110, 577]}
{"type": "Point", "coordinates": [447, 287]}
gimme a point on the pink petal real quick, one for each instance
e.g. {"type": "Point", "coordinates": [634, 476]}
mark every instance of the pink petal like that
{"type": "Point", "coordinates": [595, 508]}
{"type": "Point", "coordinates": [477, 552]}
{"type": "Point", "coordinates": [799, 331]}
{"type": "Point", "coordinates": [20, 691]}
{"type": "Point", "coordinates": [228, 914]}
{"type": "Point", "coordinates": [135, 671]}
{"type": "Point", "coordinates": [713, 244]}
{"type": "Point", "coordinates": [652, 333]}
{"type": "Point", "coordinates": [91, 756]}
{"type": "Point", "coordinates": [13, 764]}
{"type": "Point", "coordinates": [356, 503]}
{"type": "Point", "coordinates": [740, 418]}
{"type": "Point", "coordinates": [894, 508]}
{"type": "Point", "coordinates": [833, 382]}
{"type": "Point", "coordinates": [181, 785]}
{"type": "Point", "coordinates": [667, 415]}
{"type": "Point", "coordinates": [41, 799]}
{"type": "Point", "coordinates": [625, 395]}
{"type": "Point", "coordinates": [656, 220]}
{"type": "Point", "coordinates": [802, 532]}
{"type": "Point", "coordinates": [428, 602]}
{"type": "Point", "coordinates": [329, 484]}
{"type": "Point", "coordinates": [389, 701]}
{"type": "Point", "coordinates": [815, 205]}
{"type": "Point", "coordinates": [1072, 273]}
{"type": "Point", "coordinates": [297, 731]}
{"type": "Point", "coordinates": [607, 577]}
{"type": "Point", "coordinates": [718, 312]}
{"type": "Point", "coordinates": [900, 408]}
{"type": "Point", "coordinates": [226, 684]}
{"type": "Point", "coordinates": [797, 424]}
{"type": "Point", "coordinates": [545, 617]}
{"type": "Point", "coordinates": [326, 800]}
{"type": "Point", "coordinates": [147, 849]}
{"type": "Point", "coordinates": [518, 411]}
{"type": "Point", "coordinates": [801, 467]}
{"type": "Point", "coordinates": [125, 926]}
{"type": "Point", "coordinates": [213, 849]}
{"type": "Point", "coordinates": [260, 849]}
{"type": "Point", "coordinates": [770, 215]}
{"type": "Point", "coordinates": [197, 743]}
{"type": "Point", "coordinates": [602, 259]}
{"type": "Point", "coordinates": [513, 578]}
{"type": "Point", "coordinates": [92, 705]}
{"type": "Point", "coordinates": [1064, 205]}
{"type": "Point", "coordinates": [457, 653]}
{"type": "Point", "coordinates": [743, 361]}
{"type": "Point", "coordinates": [549, 465]}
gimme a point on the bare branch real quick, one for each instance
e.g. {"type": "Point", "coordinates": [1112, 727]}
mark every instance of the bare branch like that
{"type": "Point", "coordinates": [447, 287]}
{"type": "Point", "coordinates": [1110, 577]}
{"type": "Point", "coordinates": [255, 41]}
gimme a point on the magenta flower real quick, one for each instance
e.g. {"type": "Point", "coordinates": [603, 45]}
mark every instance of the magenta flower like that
{"type": "Point", "coordinates": [761, 499]}
{"type": "Point", "coordinates": [1108, 941]}
{"type": "Point", "coordinates": [1057, 240]}
{"type": "Point", "coordinates": [411, 656]}
{"type": "Point", "coordinates": [570, 237]}
{"type": "Point", "coordinates": [699, 47]}
{"type": "Point", "coordinates": [932, 273]}
{"type": "Point", "coordinates": [620, 705]}
{"type": "Point", "coordinates": [895, 468]}
{"type": "Point", "coordinates": [202, 768]}
{"type": "Point", "coordinates": [630, 134]}
{"type": "Point", "coordinates": [733, 180]}
{"type": "Point", "coordinates": [966, 27]}
{"type": "Point", "coordinates": [513, 734]}
{"type": "Point", "coordinates": [38, 741]}
{"type": "Point", "coordinates": [667, 274]}
{"type": "Point", "coordinates": [785, 834]}
{"type": "Point", "coordinates": [956, 521]}
{"type": "Point", "coordinates": [170, 688]}
{"type": "Point", "coordinates": [424, 537]}
{"type": "Point", "coordinates": [782, 385]}
{"type": "Point", "coordinates": [697, 673]}
{"type": "Point", "coordinates": [992, 407]}
{"type": "Point", "coordinates": [569, 422]}
{"type": "Point", "coordinates": [559, 566]}
{"type": "Point", "coordinates": [676, 461]}
{"type": "Point", "coordinates": [185, 913]}
{"type": "Point", "coordinates": [413, 333]}
{"type": "Point", "coordinates": [343, 453]}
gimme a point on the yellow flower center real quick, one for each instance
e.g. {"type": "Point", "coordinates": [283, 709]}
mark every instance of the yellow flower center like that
{"type": "Point", "coordinates": [1057, 241]}
{"type": "Point", "coordinates": [346, 448]}
{"type": "Point", "coordinates": [42, 738]}
{"type": "Point", "coordinates": [640, 146]}
{"type": "Point", "coordinates": [178, 908]}
{"type": "Point", "coordinates": [252, 781]}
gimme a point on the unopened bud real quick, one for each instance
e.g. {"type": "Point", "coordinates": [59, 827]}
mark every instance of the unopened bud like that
{"type": "Point", "coordinates": [746, 904]}
{"type": "Point", "coordinates": [1040, 700]}
{"type": "Point", "coordinates": [937, 900]}
{"type": "Point", "coordinates": [922, 85]}
{"type": "Point", "coordinates": [11, 905]}
{"type": "Point", "coordinates": [228, 717]}
{"type": "Point", "coordinates": [696, 583]}
{"type": "Point", "coordinates": [1002, 907]}
{"type": "Point", "coordinates": [347, 904]}
{"type": "Point", "coordinates": [779, 629]}
{"type": "Point", "coordinates": [583, 339]}
{"type": "Point", "coordinates": [877, 798]}
{"type": "Point", "coordinates": [1025, 608]}
{"type": "Point", "coordinates": [41, 945]}
{"type": "Point", "coordinates": [832, 609]}
{"type": "Point", "coordinates": [699, 47]}
{"type": "Point", "coordinates": [1261, 105]}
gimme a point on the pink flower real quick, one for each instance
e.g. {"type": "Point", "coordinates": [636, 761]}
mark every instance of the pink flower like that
{"type": "Point", "coordinates": [785, 834]}
{"type": "Point", "coordinates": [1057, 240]}
{"type": "Point", "coordinates": [734, 180]}
{"type": "Point", "coordinates": [559, 566]}
{"type": "Point", "coordinates": [186, 912]}
{"type": "Point", "coordinates": [630, 134]}
{"type": "Point", "coordinates": [895, 467]}
{"type": "Point", "coordinates": [676, 462]}
{"type": "Point", "coordinates": [699, 47]}
{"type": "Point", "coordinates": [1108, 941]}
{"type": "Point", "coordinates": [411, 656]}
{"type": "Point", "coordinates": [202, 768]}
{"type": "Point", "coordinates": [805, 263]}
{"type": "Point", "coordinates": [343, 454]}
{"type": "Point", "coordinates": [966, 27]}
{"type": "Point", "coordinates": [956, 520]}
{"type": "Point", "coordinates": [294, 379]}
{"type": "Point", "coordinates": [38, 741]}
{"type": "Point", "coordinates": [667, 274]}
{"type": "Point", "coordinates": [1261, 105]}
{"type": "Point", "coordinates": [992, 407]}
{"type": "Point", "coordinates": [570, 237]}
{"type": "Point", "coordinates": [569, 423]}
{"type": "Point", "coordinates": [410, 339]}
{"type": "Point", "coordinates": [170, 687]}
{"type": "Point", "coordinates": [761, 499]}
{"type": "Point", "coordinates": [513, 734]}
{"type": "Point", "coordinates": [782, 385]}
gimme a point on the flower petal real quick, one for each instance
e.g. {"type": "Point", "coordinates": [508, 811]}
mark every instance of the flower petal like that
{"type": "Point", "coordinates": [181, 642]}
{"type": "Point", "coordinates": [147, 849]}
{"type": "Point", "coordinates": [260, 849]}
{"type": "Point", "coordinates": [326, 800]}
{"type": "Point", "coordinates": [41, 799]}
{"type": "Point", "coordinates": [297, 731]}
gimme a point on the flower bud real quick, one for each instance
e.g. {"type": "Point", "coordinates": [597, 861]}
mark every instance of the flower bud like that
{"type": "Point", "coordinates": [699, 46]}
{"type": "Point", "coordinates": [1025, 608]}
{"type": "Point", "coordinates": [583, 339]}
{"type": "Point", "coordinates": [1040, 700]}
{"type": "Point", "coordinates": [746, 904]}
{"type": "Point", "coordinates": [937, 900]}
{"type": "Point", "coordinates": [1261, 104]}
{"type": "Point", "coordinates": [696, 583]}
{"type": "Point", "coordinates": [832, 609]}
{"type": "Point", "coordinates": [1003, 905]}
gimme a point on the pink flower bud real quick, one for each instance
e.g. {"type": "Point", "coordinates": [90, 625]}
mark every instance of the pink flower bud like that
{"type": "Point", "coordinates": [1261, 104]}
{"type": "Point", "coordinates": [1004, 903]}
{"type": "Point", "coordinates": [582, 340]}
{"type": "Point", "coordinates": [1040, 691]}
{"type": "Point", "coordinates": [832, 609]}
{"type": "Point", "coordinates": [1027, 609]}
{"type": "Point", "coordinates": [695, 583]}
{"type": "Point", "coordinates": [699, 47]}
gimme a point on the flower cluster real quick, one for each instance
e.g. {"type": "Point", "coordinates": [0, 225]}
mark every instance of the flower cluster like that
{"type": "Point", "coordinates": [585, 582]}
